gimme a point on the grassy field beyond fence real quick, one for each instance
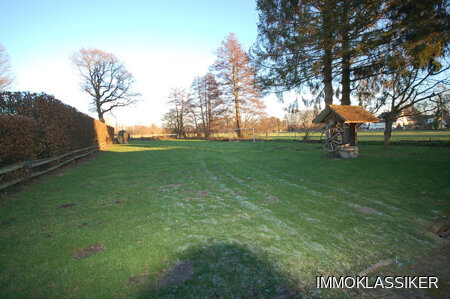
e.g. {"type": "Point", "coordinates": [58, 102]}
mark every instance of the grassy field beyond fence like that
{"type": "Point", "coordinates": [397, 136]}
{"type": "Point", "coordinates": [223, 219]}
{"type": "Point", "coordinates": [371, 136]}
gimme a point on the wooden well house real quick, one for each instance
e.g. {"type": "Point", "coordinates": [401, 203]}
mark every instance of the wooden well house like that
{"type": "Point", "coordinates": [341, 133]}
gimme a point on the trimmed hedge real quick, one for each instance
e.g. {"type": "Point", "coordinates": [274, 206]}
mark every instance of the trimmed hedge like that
{"type": "Point", "coordinates": [17, 134]}
{"type": "Point", "coordinates": [35, 126]}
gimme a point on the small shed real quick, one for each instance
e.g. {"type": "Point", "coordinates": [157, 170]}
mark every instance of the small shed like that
{"type": "Point", "coordinates": [342, 126]}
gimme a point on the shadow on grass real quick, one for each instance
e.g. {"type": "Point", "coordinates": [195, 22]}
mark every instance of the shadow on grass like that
{"type": "Point", "coordinates": [223, 270]}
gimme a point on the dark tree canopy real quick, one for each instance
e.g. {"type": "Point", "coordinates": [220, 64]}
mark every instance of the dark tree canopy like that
{"type": "Point", "coordinates": [419, 31]}
{"type": "Point", "coordinates": [339, 45]}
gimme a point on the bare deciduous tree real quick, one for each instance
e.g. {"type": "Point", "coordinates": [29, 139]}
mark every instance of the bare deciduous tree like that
{"type": "Point", "coordinates": [105, 79]}
{"type": "Point", "coordinates": [143, 130]}
{"type": "Point", "coordinates": [174, 120]}
{"type": "Point", "coordinates": [268, 125]}
{"type": "Point", "coordinates": [6, 77]}
{"type": "Point", "coordinates": [440, 106]}
{"type": "Point", "coordinates": [207, 101]}
{"type": "Point", "coordinates": [403, 90]}
{"type": "Point", "coordinates": [236, 77]}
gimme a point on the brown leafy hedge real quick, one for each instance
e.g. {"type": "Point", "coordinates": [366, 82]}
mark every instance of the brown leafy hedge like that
{"type": "Point", "coordinates": [35, 126]}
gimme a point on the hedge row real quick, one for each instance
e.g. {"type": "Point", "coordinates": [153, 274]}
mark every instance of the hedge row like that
{"type": "Point", "coordinates": [35, 126]}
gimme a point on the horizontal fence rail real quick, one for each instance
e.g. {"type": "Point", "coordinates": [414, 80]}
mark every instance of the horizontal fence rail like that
{"type": "Point", "coordinates": [28, 165]}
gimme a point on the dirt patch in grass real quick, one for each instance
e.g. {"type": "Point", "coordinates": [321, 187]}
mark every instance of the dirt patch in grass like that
{"type": "Point", "coordinates": [118, 201]}
{"type": "Point", "coordinates": [271, 199]}
{"type": "Point", "coordinates": [366, 210]}
{"type": "Point", "coordinates": [203, 193]}
{"type": "Point", "coordinates": [173, 185]}
{"type": "Point", "coordinates": [101, 222]}
{"type": "Point", "coordinates": [68, 205]}
{"type": "Point", "coordinates": [440, 227]}
{"type": "Point", "coordinates": [176, 275]}
{"type": "Point", "coordinates": [284, 292]}
{"type": "Point", "coordinates": [88, 251]}
{"type": "Point", "coordinates": [137, 279]}
{"type": "Point", "coordinates": [376, 267]}
{"type": "Point", "coordinates": [84, 224]}
{"type": "Point", "coordinates": [9, 221]}
{"type": "Point", "coordinates": [86, 185]}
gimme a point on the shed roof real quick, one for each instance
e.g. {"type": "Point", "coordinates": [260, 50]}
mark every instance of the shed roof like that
{"type": "Point", "coordinates": [346, 113]}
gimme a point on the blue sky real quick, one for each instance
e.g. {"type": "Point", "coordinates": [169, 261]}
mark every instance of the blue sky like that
{"type": "Point", "coordinates": [164, 44]}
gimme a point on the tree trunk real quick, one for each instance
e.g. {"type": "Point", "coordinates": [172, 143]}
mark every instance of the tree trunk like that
{"type": "Point", "coordinates": [388, 130]}
{"type": "Point", "coordinates": [327, 56]}
{"type": "Point", "coordinates": [208, 117]}
{"type": "Point", "coordinates": [203, 119]}
{"type": "Point", "coordinates": [100, 114]}
{"type": "Point", "coordinates": [197, 131]}
{"type": "Point", "coordinates": [345, 80]}
{"type": "Point", "coordinates": [238, 115]}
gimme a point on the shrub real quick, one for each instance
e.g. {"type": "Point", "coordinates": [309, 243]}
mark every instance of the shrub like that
{"type": "Point", "coordinates": [39, 126]}
{"type": "Point", "coordinates": [19, 139]}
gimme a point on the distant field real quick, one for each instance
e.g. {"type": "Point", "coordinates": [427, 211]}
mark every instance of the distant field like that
{"type": "Point", "coordinates": [362, 136]}
{"type": "Point", "coordinates": [375, 135]}
{"type": "Point", "coordinates": [224, 219]}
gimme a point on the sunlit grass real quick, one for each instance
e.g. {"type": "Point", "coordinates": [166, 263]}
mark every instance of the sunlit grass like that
{"type": "Point", "coordinates": [131, 148]}
{"type": "Point", "coordinates": [373, 135]}
{"type": "Point", "coordinates": [253, 219]}
{"type": "Point", "coordinates": [397, 136]}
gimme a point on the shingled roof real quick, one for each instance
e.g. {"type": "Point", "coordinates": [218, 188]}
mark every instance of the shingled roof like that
{"type": "Point", "coordinates": [345, 113]}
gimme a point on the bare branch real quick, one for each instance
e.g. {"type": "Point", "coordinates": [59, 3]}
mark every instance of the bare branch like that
{"type": "Point", "coordinates": [105, 79]}
{"type": "Point", "coordinates": [6, 78]}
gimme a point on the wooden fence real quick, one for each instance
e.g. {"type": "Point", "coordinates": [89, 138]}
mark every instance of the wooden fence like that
{"type": "Point", "coordinates": [29, 165]}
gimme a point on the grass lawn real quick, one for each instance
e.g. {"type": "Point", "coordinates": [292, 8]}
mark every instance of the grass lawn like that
{"type": "Point", "coordinates": [200, 219]}
{"type": "Point", "coordinates": [397, 136]}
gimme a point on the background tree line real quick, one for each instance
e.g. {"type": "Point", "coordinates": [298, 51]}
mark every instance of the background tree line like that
{"type": "Point", "coordinates": [384, 55]}
{"type": "Point", "coordinates": [387, 56]}
{"type": "Point", "coordinates": [228, 97]}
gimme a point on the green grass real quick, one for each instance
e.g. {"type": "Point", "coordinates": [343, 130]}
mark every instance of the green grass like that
{"type": "Point", "coordinates": [237, 241]}
{"type": "Point", "coordinates": [397, 136]}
